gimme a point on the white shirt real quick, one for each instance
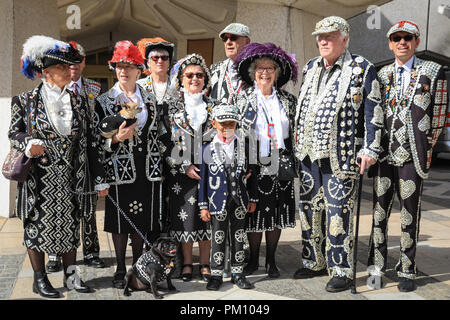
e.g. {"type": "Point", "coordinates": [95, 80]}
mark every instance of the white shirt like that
{"type": "Point", "coordinates": [406, 75]}
{"type": "Point", "coordinates": [136, 97]}
{"type": "Point", "coordinates": [275, 115]}
{"type": "Point", "coordinates": [59, 108]}
{"type": "Point", "coordinates": [195, 109]}
{"type": "Point", "coordinates": [227, 147]}
{"type": "Point", "coordinates": [79, 84]}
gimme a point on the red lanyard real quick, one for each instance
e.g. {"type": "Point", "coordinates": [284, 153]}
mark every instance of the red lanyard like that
{"type": "Point", "coordinates": [230, 88]}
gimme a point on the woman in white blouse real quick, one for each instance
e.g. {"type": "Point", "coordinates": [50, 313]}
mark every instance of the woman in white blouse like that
{"type": "Point", "coordinates": [191, 125]}
{"type": "Point", "coordinates": [267, 116]}
{"type": "Point", "coordinates": [131, 159]}
{"type": "Point", "coordinates": [50, 125]}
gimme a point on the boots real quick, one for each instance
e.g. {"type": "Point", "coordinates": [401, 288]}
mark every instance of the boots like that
{"type": "Point", "coordinates": [43, 287]}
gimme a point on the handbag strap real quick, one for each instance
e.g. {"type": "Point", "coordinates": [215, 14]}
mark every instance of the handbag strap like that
{"type": "Point", "coordinates": [30, 115]}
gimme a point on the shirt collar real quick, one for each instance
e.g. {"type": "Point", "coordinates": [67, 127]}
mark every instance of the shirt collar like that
{"type": "Point", "coordinates": [259, 93]}
{"type": "Point", "coordinates": [218, 140]}
{"type": "Point", "coordinates": [407, 66]}
{"type": "Point", "coordinates": [54, 90]}
{"type": "Point", "coordinates": [339, 62]}
{"type": "Point", "coordinates": [116, 92]}
{"type": "Point", "coordinates": [78, 82]}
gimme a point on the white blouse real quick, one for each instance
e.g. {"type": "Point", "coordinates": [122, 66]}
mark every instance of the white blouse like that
{"type": "Point", "coordinates": [136, 97]}
{"type": "Point", "coordinates": [195, 109]}
{"type": "Point", "coordinates": [270, 111]}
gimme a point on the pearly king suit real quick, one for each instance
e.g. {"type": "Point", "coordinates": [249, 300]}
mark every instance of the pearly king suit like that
{"type": "Point", "coordinates": [224, 191]}
{"type": "Point", "coordinates": [413, 123]}
{"type": "Point", "coordinates": [223, 87]}
{"type": "Point", "coordinates": [333, 126]}
{"type": "Point", "coordinates": [90, 90]}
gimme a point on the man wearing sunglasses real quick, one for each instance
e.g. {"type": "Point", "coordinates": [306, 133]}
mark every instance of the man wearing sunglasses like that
{"type": "Point", "coordinates": [226, 82]}
{"type": "Point", "coordinates": [414, 100]}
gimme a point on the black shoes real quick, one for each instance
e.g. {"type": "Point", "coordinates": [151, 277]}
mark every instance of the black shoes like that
{"type": "Point", "coordinates": [54, 265]}
{"type": "Point", "coordinates": [250, 268]}
{"type": "Point", "coordinates": [241, 281]}
{"type": "Point", "coordinates": [214, 283]}
{"type": "Point", "coordinates": [43, 287]}
{"type": "Point", "coordinates": [73, 281]}
{"type": "Point", "coordinates": [187, 276]}
{"type": "Point", "coordinates": [338, 284]}
{"type": "Point", "coordinates": [305, 273]}
{"type": "Point", "coordinates": [205, 276]}
{"type": "Point", "coordinates": [272, 270]}
{"type": "Point", "coordinates": [406, 285]}
{"type": "Point", "coordinates": [119, 279]}
{"type": "Point", "coordinates": [95, 262]}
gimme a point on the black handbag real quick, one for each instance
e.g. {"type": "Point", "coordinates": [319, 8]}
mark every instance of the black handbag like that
{"type": "Point", "coordinates": [286, 166]}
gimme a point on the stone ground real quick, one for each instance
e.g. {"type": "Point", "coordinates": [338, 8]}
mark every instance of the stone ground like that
{"type": "Point", "coordinates": [433, 260]}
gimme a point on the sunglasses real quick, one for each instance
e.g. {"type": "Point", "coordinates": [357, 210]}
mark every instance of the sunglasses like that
{"type": "Point", "coordinates": [191, 75]}
{"type": "Point", "coordinates": [399, 38]}
{"type": "Point", "coordinates": [156, 58]}
{"type": "Point", "coordinates": [232, 38]}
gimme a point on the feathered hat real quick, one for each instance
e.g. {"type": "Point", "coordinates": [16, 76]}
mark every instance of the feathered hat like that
{"type": "Point", "coordinates": [146, 45]}
{"type": "Point", "coordinates": [78, 47]}
{"type": "Point", "coordinates": [193, 59]}
{"type": "Point", "coordinates": [40, 52]}
{"type": "Point", "coordinates": [126, 52]}
{"type": "Point", "coordinates": [287, 63]}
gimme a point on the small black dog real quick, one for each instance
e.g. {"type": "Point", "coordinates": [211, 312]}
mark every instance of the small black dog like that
{"type": "Point", "coordinates": [152, 267]}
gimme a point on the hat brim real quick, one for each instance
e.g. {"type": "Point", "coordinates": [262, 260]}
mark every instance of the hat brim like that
{"type": "Point", "coordinates": [227, 118]}
{"type": "Point", "coordinates": [283, 77]}
{"type": "Point", "coordinates": [389, 34]}
{"type": "Point", "coordinates": [194, 59]}
{"type": "Point", "coordinates": [70, 57]}
{"type": "Point", "coordinates": [322, 31]}
{"type": "Point", "coordinates": [159, 45]}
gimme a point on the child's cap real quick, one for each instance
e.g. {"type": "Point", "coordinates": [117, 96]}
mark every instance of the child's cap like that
{"type": "Point", "coordinates": [226, 112]}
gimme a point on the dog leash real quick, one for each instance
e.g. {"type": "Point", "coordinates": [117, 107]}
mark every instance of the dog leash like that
{"type": "Point", "coordinates": [59, 179]}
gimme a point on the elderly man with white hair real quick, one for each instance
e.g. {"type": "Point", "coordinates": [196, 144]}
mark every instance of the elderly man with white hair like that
{"type": "Point", "coordinates": [338, 119]}
{"type": "Point", "coordinates": [226, 82]}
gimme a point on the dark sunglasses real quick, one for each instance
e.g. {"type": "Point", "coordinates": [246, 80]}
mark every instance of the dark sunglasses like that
{"type": "Point", "coordinates": [407, 38]}
{"type": "Point", "coordinates": [191, 75]}
{"type": "Point", "coordinates": [232, 38]}
{"type": "Point", "coordinates": [156, 58]}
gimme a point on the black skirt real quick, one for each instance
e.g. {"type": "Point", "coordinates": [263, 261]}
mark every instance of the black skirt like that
{"type": "Point", "coordinates": [185, 222]}
{"type": "Point", "coordinates": [275, 207]}
{"type": "Point", "coordinates": [141, 201]}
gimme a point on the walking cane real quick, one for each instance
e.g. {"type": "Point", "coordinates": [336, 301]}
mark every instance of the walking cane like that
{"type": "Point", "coordinates": [355, 246]}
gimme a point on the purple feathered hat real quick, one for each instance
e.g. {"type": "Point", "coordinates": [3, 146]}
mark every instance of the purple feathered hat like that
{"type": "Point", "coordinates": [252, 51]}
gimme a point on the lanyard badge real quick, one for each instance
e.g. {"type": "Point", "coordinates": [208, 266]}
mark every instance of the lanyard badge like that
{"type": "Point", "coordinates": [271, 130]}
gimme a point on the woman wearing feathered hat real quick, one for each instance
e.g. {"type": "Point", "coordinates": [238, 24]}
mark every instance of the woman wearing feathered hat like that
{"type": "Point", "coordinates": [158, 54]}
{"type": "Point", "coordinates": [131, 158]}
{"type": "Point", "coordinates": [50, 125]}
{"type": "Point", "coordinates": [191, 125]}
{"type": "Point", "coordinates": [267, 115]}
